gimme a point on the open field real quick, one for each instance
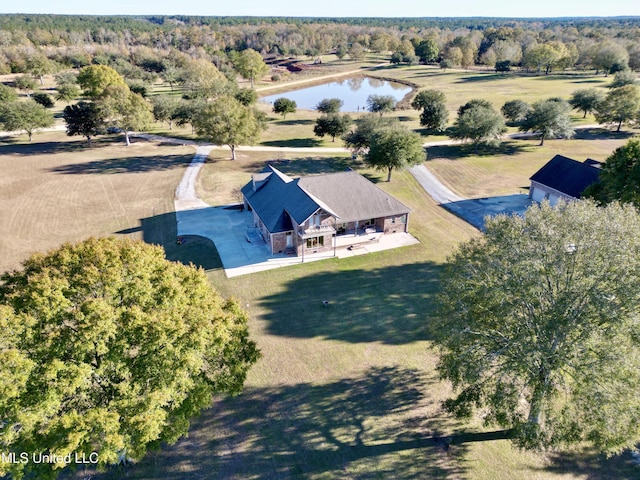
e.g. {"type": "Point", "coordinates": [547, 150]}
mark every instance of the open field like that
{"type": "Point", "coordinates": [56, 189]}
{"type": "Point", "coordinates": [506, 170]}
{"type": "Point", "coordinates": [347, 391]}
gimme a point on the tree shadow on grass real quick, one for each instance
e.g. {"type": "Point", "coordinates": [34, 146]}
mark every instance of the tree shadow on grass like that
{"type": "Point", "coordinates": [315, 165]}
{"type": "Point", "coordinates": [601, 134]}
{"type": "Point", "coordinates": [488, 77]}
{"type": "Point", "coordinates": [350, 428]}
{"type": "Point", "coordinates": [294, 142]}
{"type": "Point", "coordinates": [162, 230]}
{"type": "Point", "coordinates": [389, 305]}
{"type": "Point", "coordinates": [137, 164]}
{"type": "Point", "coordinates": [591, 80]}
{"type": "Point", "coordinates": [15, 146]}
{"type": "Point", "coordinates": [592, 466]}
{"type": "Point", "coordinates": [301, 121]}
{"type": "Point", "coordinates": [462, 150]}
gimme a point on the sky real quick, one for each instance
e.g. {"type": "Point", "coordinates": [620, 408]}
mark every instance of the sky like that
{"type": "Point", "coordinates": [332, 8]}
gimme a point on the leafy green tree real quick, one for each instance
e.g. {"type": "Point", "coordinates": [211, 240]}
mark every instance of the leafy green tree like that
{"type": "Point", "coordinates": [111, 349]}
{"type": "Point", "coordinates": [250, 65]}
{"type": "Point", "coordinates": [446, 63]}
{"type": "Point", "coordinates": [541, 56]}
{"type": "Point", "coordinates": [586, 100]}
{"type": "Point", "coordinates": [359, 140]}
{"type": "Point", "coordinates": [427, 50]}
{"type": "Point", "coordinates": [609, 55]}
{"type": "Point", "coordinates": [126, 110]}
{"type": "Point", "coordinates": [515, 110]}
{"type": "Point", "coordinates": [503, 66]}
{"type": "Point", "coordinates": [332, 124]}
{"type": "Point", "coordinates": [26, 83]}
{"type": "Point", "coordinates": [395, 148]}
{"type": "Point", "coordinates": [43, 99]}
{"type": "Point", "coordinates": [434, 115]}
{"type": "Point", "coordinates": [225, 121]}
{"type": "Point", "coordinates": [620, 105]}
{"type": "Point", "coordinates": [479, 123]}
{"type": "Point", "coordinates": [7, 94]}
{"type": "Point", "coordinates": [39, 65]}
{"type": "Point", "coordinates": [28, 116]}
{"type": "Point", "coordinates": [94, 79]}
{"type": "Point", "coordinates": [619, 177]}
{"type": "Point", "coordinates": [283, 106]}
{"type": "Point", "coordinates": [329, 105]}
{"type": "Point", "coordinates": [66, 78]}
{"type": "Point", "coordinates": [67, 92]}
{"type": "Point", "coordinates": [356, 51]}
{"type": "Point", "coordinates": [187, 111]}
{"type": "Point", "coordinates": [550, 118]}
{"type": "Point", "coordinates": [624, 77]}
{"type": "Point", "coordinates": [165, 108]}
{"type": "Point", "coordinates": [537, 325]}
{"type": "Point", "coordinates": [381, 104]}
{"type": "Point", "coordinates": [396, 58]}
{"type": "Point", "coordinates": [246, 96]}
{"type": "Point", "coordinates": [83, 118]}
{"type": "Point", "coordinates": [201, 79]}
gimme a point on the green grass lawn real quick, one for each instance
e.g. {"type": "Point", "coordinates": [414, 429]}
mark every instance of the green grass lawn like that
{"type": "Point", "coordinates": [350, 390]}
{"type": "Point", "coordinates": [506, 170]}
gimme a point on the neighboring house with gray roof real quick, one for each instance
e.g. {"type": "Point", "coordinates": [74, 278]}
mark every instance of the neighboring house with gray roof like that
{"type": "Point", "coordinates": [563, 178]}
{"type": "Point", "coordinates": [306, 214]}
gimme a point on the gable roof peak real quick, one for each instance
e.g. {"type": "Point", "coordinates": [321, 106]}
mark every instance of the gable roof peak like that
{"type": "Point", "coordinates": [285, 178]}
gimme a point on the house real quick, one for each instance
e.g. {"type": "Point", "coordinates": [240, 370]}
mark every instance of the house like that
{"type": "Point", "coordinates": [563, 178]}
{"type": "Point", "coordinates": [308, 214]}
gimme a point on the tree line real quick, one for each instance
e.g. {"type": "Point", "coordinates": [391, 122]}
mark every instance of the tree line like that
{"type": "Point", "coordinates": [539, 45]}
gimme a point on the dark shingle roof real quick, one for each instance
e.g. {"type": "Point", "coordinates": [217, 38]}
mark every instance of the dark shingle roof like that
{"type": "Point", "coordinates": [275, 193]}
{"type": "Point", "coordinates": [347, 195]}
{"type": "Point", "coordinates": [351, 196]}
{"type": "Point", "coordinates": [566, 175]}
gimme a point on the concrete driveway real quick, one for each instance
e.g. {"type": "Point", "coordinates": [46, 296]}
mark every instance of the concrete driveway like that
{"type": "Point", "coordinates": [472, 210]}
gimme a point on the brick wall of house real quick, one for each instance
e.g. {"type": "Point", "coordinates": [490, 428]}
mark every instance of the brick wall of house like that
{"type": "Point", "coordinates": [394, 224]}
{"type": "Point", "coordinates": [328, 246]}
{"type": "Point", "coordinates": [279, 242]}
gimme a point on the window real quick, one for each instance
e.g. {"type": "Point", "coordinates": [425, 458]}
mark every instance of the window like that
{"type": "Point", "coordinates": [315, 242]}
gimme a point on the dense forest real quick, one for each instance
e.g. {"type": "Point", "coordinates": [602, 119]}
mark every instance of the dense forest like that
{"type": "Point", "coordinates": [156, 43]}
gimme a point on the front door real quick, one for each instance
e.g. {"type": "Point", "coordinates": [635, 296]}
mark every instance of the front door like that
{"type": "Point", "coordinates": [289, 240]}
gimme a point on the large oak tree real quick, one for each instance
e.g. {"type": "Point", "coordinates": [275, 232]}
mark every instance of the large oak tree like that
{"type": "Point", "coordinates": [226, 121]}
{"type": "Point", "coordinates": [394, 147]}
{"type": "Point", "coordinates": [110, 348]}
{"type": "Point", "coordinates": [538, 325]}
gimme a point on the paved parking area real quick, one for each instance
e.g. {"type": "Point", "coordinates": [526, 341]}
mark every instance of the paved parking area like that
{"type": "Point", "coordinates": [243, 251]}
{"type": "Point", "coordinates": [472, 210]}
{"type": "Point", "coordinates": [475, 210]}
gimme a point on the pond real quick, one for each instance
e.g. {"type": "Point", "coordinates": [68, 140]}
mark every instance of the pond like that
{"type": "Point", "coordinates": [352, 91]}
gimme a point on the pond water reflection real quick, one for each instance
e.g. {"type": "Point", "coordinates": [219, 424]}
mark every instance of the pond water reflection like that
{"type": "Point", "coordinates": [352, 91]}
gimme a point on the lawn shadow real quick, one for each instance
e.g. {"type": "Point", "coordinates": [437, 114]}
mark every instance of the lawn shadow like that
{"type": "Point", "coordinates": [601, 134]}
{"type": "Point", "coordinates": [15, 146]}
{"type": "Point", "coordinates": [461, 150]}
{"type": "Point", "coordinates": [349, 428]}
{"type": "Point", "coordinates": [136, 164]}
{"type": "Point", "coordinates": [488, 77]}
{"type": "Point", "coordinates": [293, 142]}
{"type": "Point", "coordinates": [162, 230]}
{"type": "Point", "coordinates": [390, 305]}
{"type": "Point", "coordinates": [301, 121]}
{"type": "Point", "coordinates": [314, 165]}
{"type": "Point", "coordinates": [592, 80]}
{"type": "Point", "coordinates": [591, 465]}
